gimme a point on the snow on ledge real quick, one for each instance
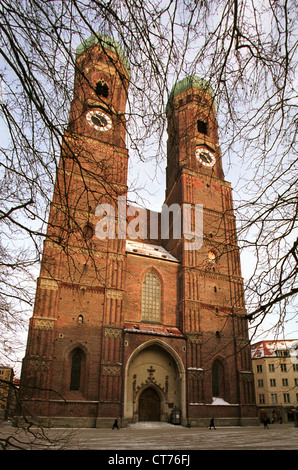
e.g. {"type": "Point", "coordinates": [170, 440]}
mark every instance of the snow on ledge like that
{"type": "Point", "coordinates": [219, 401]}
{"type": "Point", "coordinates": [215, 401]}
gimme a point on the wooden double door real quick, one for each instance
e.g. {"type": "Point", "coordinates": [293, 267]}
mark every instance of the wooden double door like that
{"type": "Point", "coordinates": [149, 405]}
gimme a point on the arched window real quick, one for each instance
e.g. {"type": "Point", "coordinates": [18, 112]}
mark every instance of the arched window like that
{"type": "Point", "coordinates": [88, 231]}
{"type": "Point", "coordinates": [102, 89]}
{"type": "Point", "coordinates": [218, 379]}
{"type": "Point", "coordinates": [151, 297]}
{"type": "Point", "coordinates": [202, 127]}
{"type": "Point", "coordinates": [76, 369]}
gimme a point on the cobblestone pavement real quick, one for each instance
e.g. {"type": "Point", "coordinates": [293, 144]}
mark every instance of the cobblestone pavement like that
{"type": "Point", "coordinates": [157, 436]}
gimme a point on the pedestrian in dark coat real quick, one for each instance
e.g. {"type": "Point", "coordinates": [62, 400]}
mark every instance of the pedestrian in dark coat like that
{"type": "Point", "coordinates": [266, 421]}
{"type": "Point", "coordinates": [212, 425]}
{"type": "Point", "coordinates": [116, 425]}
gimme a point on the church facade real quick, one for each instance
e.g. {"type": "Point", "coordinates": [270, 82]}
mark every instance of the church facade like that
{"type": "Point", "coordinates": [150, 327]}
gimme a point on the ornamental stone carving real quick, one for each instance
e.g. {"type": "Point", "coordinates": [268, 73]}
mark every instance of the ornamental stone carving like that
{"type": "Point", "coordinates": [150, 380]}
{"type": "Point", "coordinates": [49, 284]}
{"type": "Point", "coordinates": [242, 343]}
{"type": "Point", "coordinates": [195, 337]}
{"type": "Point", "coordinates": [113, 332]}
{"type": "Point", "coordinates": [114, 370]}
{"type": "Point", "coordinates": [246, 376]}
{"type": "Point", "coordinates": [114, 294]}
{"type": "Point", "coordinates": [44, 324]}
{"type": "Point", "coordinates": [40, 364]}
{"type": "Point", "coordinates": [195, 373]}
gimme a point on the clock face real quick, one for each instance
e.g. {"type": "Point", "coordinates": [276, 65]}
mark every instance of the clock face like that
{"type": "Point", "coordinates": [99, 120]}
{"type": "Point", "coordinates": [205, 157]}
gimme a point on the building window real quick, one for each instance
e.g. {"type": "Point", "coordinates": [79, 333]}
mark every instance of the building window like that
{"type": "Point", "coordinates": [274, 398]}
{"type": "Point", "coordinates": [296, 382]}
{"type": "Point", "coordinates": [259, 368]}
{"type": "Point", "coordinates": [76, 369]}
{"type": "Point", "coordinates": [261, 398]}
{"type": "Point", "coordinates": [151, 298]}
{"type": "Point", "coordinates": [295, 367]}
{"type": "Point", "coordinates": [286, 398]}
{"type": "Point", "coordinates": [272, 383]}
{"type": "Point", "coordinates": [282, 353]}
{"type": "Point", "coordinates": [285, 382]}
{"type": "Point", "coordinates": [271, 367]}
{"type": "Point", "coordinates": [260, 383]}
{"type": "Point", "coordinates": [283, 367]}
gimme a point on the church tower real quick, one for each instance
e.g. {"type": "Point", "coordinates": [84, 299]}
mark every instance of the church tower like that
{"type": "Point", "coordinates": [211, 296]}
{"type": "Point", "coordinates": [74, 336]}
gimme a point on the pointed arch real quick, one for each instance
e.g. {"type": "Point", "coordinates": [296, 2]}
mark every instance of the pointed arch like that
{"type": "Point", "coordinates": [170, 384]}
{"type": "Point", "coordinates": [218, 372]}
{"type": "Point", "coordinates": [77, 359]}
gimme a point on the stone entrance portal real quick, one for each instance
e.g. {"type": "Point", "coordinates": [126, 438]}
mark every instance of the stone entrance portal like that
{"type": "Point", "coordinates": [149, 405]}
{"type": "Point", "coordinates": [154, 383]}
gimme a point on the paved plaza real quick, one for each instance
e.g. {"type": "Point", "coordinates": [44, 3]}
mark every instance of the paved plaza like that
{"type": "Point", "coordinates": [157, 436]}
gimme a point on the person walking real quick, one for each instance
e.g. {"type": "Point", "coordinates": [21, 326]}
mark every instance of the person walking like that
{"type": "Point", "coordinates": [115, 425]}
{"type": "Point", "coordinates": [212, 424]}
{"type": "Point", "coordinates": [266, 421]}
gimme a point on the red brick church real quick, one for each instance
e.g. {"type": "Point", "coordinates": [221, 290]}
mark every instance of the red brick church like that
{"type": "Point", "coordinates": [147, 328]}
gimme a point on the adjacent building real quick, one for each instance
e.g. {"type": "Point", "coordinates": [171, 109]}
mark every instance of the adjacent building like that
{"type": "Point", "coordinates": [275, 366]}
{"type": "Point", "coordinates": [7, 396]}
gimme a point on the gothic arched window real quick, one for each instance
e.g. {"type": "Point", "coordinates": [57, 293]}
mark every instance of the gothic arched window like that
{"type": "Point", "coordinates": [202, 127]}
{"type": "Point", "coordinates": [218, 379]}
{"type": "Point", "coordinates": [76, 369]}
{"type": "Point", "coordinates": [151, 298]}
{"type": "Point", "coordinates": [102, 89]}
